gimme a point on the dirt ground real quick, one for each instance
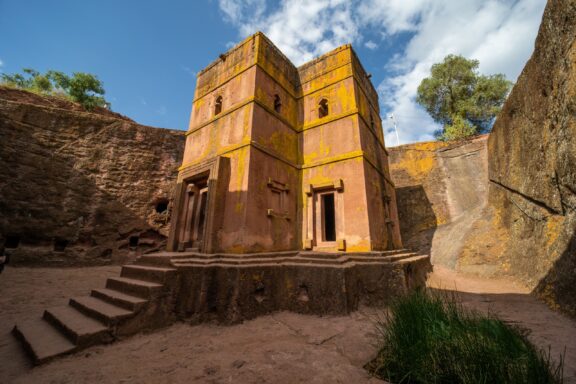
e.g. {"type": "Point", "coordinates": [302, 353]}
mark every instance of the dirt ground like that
{"type": "Point", "coordinates": [279, 348]}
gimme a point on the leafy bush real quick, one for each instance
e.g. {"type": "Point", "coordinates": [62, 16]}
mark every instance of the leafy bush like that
{"type": "Point", "coordinates": [433, 339]}
{"type": "Point", "coordinates": [83, 88]}
{"type": "Point", "coordinates": [458, 130]}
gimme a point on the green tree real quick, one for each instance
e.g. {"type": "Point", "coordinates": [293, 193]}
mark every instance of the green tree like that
{"type": "Point", "coordinates": [15, 80]}
{"type": "Point", "coordinates": [86, 89]}
{"type": "Point", "coordinates": [37, 82]}
{"type": "Point", "coordinates": [32, 80]}
{"type": "Point", "coordinates": [83, 88]}
{"type": "Point", "coordinates": [462, 100]}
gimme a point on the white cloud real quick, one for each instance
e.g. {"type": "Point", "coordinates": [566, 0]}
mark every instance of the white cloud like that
{"type": "Point", "coordinates": [301, 29]}
{"type": "Point", "coordinates": [237, 11]}
{"type": "Point", "coordinates": [393, 16]}
{"type": "Point", "coordinates": [498, 33]}
{"type": "Point", "coordinates": [371, 45]}
{"type": "Point", "coordinates": [1, 63]}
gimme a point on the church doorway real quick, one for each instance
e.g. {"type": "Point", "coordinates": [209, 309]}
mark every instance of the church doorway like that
{"type": "Point", "coordinates": [193, 216]}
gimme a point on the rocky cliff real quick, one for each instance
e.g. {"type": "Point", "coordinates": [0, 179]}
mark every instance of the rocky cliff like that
{"type": "Point", "coordinates": [508, 208]}
{"type": "Point", "coordinates": [79, 187]}
{"type": "Point", "coordinates": [441, 190]}
{"type": "Point", "coordinates": [532, 171]}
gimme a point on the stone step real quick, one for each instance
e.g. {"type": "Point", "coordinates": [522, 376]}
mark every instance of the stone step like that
{"type": "Point", "coordinates": [226, 261]}
{"type": "Point", "coordinates": [304, 259]}
{"type": "Point", "coordinates": [131, 303]}
{"type": "Point", "coordinates": [79, 328]}
{"type": "Point", "coordinates": [140, 288]}
{"type": "Point", "coordinates": [100, 310]}
{"type": "Point", "coordinates": [401, 256]}
{"type": "Point", "coordinates": [380, 259]}
{"type": "Point", "coordinates": [394, 251]}
{"type": "Point", "coordinates": [42, 341]}
{"type": "Point", "coordinates": [148, 273]}
{"type": "Point", "coordinates": [320, 261]}
{"type": "Point", "coordinates": [413, 259]}
{"type": "Point", "coordinates": [158, 259]}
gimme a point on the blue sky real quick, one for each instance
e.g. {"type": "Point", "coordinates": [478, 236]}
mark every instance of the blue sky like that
{"type": "Point", "coordinates": [147, 52]}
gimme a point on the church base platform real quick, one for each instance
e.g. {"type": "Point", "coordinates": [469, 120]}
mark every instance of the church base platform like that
{"type": "Point", "coordinates": [230, 288]}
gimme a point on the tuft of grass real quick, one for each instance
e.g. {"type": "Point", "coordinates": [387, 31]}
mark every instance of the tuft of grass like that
{"type": "Point", "coordinates": [431, 338]}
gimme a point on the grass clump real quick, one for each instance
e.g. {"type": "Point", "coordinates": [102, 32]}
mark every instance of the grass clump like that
{"type": "Point", "coordinates": [431, 338]}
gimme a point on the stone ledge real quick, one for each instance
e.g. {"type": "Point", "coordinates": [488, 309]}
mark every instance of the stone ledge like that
{"type": "Point", "coordinates": [230, 288]}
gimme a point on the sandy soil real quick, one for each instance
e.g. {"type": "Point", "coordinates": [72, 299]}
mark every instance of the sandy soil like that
{"type": "Point", "coordinates": [279, 348]}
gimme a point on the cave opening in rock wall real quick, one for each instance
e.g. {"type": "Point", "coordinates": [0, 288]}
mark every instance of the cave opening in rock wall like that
{"type": "Point", "coordinates": [161, 206]}
{"type": "Point", "coordinates": [12, 241]}
{"type": "Point", "coordinates": [60, 245]}
{"type": "Point", "coordinates": [134, 240]}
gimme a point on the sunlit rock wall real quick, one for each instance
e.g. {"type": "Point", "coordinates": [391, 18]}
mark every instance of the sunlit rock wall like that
{"type": "Point", "coordinates": [532, 152]}
{"type": "Point", "coordinates": [438, 185]}
{"type": "Point", "coordinates": [79, 188]}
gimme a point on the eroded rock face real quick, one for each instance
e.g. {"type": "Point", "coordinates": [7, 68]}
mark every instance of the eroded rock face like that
{"type": "Point", "coordinates": [527, 229]}
{"type": "Point", "coordinates": [532, 152]}
{"type": "Point", "coordinates": [81, 188]}
{"type": "Point", "coordinates": [439, 185]}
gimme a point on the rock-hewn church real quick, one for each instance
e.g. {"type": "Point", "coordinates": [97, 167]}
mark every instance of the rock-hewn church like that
{"type": "Point", "coordinates": [284, 158]}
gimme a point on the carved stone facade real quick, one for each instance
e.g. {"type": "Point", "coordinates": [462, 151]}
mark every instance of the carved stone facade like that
{"type": "Point", "coordinates": [280, 158]}
{"type": "Point", "coordinates": [283, 202]}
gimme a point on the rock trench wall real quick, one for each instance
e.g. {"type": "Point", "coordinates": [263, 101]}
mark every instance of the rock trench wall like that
{"type": "Point", "coordinates": [532, 171]}
{"type": "Point", "coordinates": [79, 188]}
{"type": "Point", "coordinates": [440, 187]}
{"type": "Point", "coordinates": [508, 208]}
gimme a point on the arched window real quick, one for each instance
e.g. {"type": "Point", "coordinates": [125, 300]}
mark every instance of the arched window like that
{"type": "Point", "coordinates": [323, 108]}
{"type": "Point", "coordinates": [372, 121]}
{"type": "Point", "coordinates": [218, 106]}
{"type": "Point", "coordinates": [277, 104]}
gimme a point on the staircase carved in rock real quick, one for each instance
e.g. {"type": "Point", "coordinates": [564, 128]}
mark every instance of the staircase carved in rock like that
{"type": "Point", "coordinates": [141, 298]}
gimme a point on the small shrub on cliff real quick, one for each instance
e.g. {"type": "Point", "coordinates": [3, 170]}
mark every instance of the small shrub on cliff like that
{"type": "Point", "coordinates": [83, 88]}
{"type": "Point", "coordinates": [456, 93]}
{"type": "Point", "coordinates": [32, 80]}
{"type": "Point", "coordinates": [458, 129]}
{"type": "Point", "coordinates": [433, 339]}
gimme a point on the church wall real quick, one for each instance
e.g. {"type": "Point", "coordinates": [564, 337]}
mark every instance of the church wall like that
{"type": "Point", "coordinates": [223, 135]}
{"type": "Point", "coordinates": [236, 199]}
{"type": "Point", "coordinates": [395, 216]}
{"type": "Point", "coordinates": [276, 65]}
{"type": "Point", "coordinates": [273, 185]}
{"type": "Point", "coordinates": [364, 82]}
{"type": "Point", "coordinates": [317, 71]}
{"type": "Point", "coordinates": [372, 148]}
{"type": "Point", "coordinates": [292, 148]}
{"type": "Point", "coordinates": [353, 218]}
{"type": "Point", "coordinates": [378, 189]}
{"type": "Point", "coordinates": [331, 141]}
{"type": "Point", "coordinates": [369, 111]}
{"type": "Point", "coordinates": [273, 135]}
{"type": "Point", "coordinates": [236, 92]}
{"type": "Point", "coordinates": [228, 66]}
{"type": "Point", "coordinates": [266, 88]}
{"type": "Point", "coordinates": [340, 97]}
